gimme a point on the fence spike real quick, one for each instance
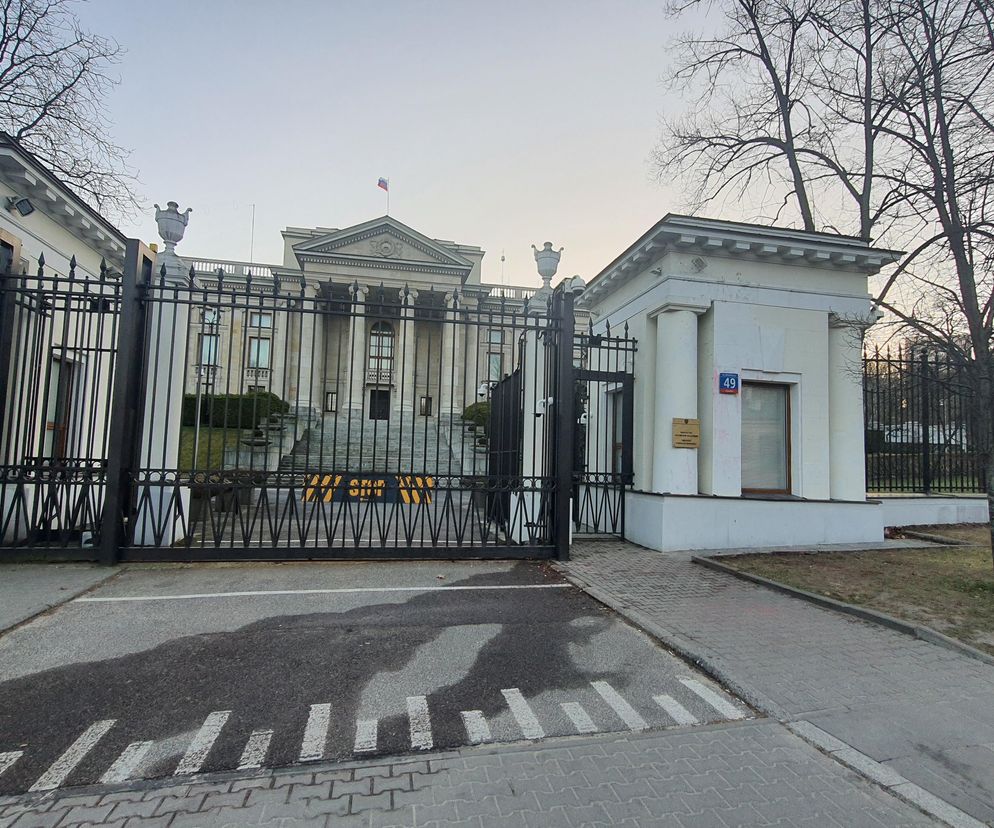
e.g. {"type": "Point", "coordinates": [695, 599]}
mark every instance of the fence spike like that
{"type": "Point", "coordinates": [162, 275]}
{"type": "Point", "coordinates": [72, 266]}
{"type": "Point", "coordinates": [103, 269]}
{"type": "Point", "coordinates": [192, 275]}
{"type": "Point", "coordinates": [41, 265]}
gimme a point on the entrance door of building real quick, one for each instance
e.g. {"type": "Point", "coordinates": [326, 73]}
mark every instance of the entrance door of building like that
{"type": "Point", "coordinates": [379, 404]}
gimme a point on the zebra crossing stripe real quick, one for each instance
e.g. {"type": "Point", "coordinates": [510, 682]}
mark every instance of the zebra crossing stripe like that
{"type": "Point", "coordinates": [7, 759]}
{"type": "Point", "coordinates": [523, 714]}
{"type": "Point", "coordinates": [420, 719]}
{"type": "Point", "coordinates": [676, 711]}
{"type": "Point", "coordinates": [202, 743]}
{"type": "Point", "coordinates": [256, 749]}
{"type": "Point", "coordinates": [722, 705]}
{"type": "Point", "coordinates": [581, 720]}
{"type": "Point", "coordinates": [365, 736]}
{"type": "Point", "coordinates": [628, 714]}
{"type": "Point", "coordinates": [64, 765]}
{"type": "Point", "coordinates": [315, 733]}
{"type": "Point", "coordinates": [476, 725]}
{"type": "Point", "coordinates": [125, 765]}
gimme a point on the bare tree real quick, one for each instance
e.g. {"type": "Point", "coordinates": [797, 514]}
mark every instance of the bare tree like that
{"type": "Point", "coordinates": [53, 81]}
{"type": "Point", "coordinates": [875, 117]}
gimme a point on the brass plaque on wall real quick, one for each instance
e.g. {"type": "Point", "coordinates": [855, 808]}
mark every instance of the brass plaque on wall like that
{"type": "Point", "coordinates": [686, 433]}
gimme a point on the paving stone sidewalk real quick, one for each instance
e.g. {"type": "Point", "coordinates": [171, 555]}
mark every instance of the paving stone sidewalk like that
{"type": "Point", "coordinates": [925, 711]}
{"type": "Point", "coordinates": [752, 774]}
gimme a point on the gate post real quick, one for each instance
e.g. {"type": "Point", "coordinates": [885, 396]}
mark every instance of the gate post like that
{"type": "Point", "coordinates": [125, 405]}
{"type": "Point", "coordinates": [565, 412]}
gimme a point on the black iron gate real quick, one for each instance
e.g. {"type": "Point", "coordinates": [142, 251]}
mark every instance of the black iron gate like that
{"type": "Point", "coordinates": [604, 407]}
{"type": "Point", "coordinates": [173, 416]}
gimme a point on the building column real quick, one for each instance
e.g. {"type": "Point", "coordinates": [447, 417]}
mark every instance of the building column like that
{"type": "Point", "coordinates": [674, 470]}
{"type": "Point", "coordinates": [408, 345]}
{"type": "Point", "coordinates": [847, 469]}
{"type": "Point", "coordinates": [472, 376]}
{"type": "Point", "coordinates": [307, 375]}
{"type": "Point", "coordinates": [448, 368]}
{"type": "Point", "coordinates": [357, 346]}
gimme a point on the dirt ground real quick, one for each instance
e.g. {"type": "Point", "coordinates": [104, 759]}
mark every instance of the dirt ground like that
{"type": "Point", "coordinates": [950, 589]}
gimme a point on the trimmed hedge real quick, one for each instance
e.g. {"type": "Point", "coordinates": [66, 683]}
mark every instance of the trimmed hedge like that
{"type": "Point", "coordinates": [233, 410]}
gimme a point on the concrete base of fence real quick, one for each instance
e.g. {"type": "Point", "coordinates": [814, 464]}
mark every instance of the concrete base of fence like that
{"type": "Point", "coordinates": [928, 510]}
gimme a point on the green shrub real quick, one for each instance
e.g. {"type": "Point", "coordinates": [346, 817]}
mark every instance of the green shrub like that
{"type": "Point", "coordinates": [233, 410]}
{"type": "Point", "coordinates": [478, 414]}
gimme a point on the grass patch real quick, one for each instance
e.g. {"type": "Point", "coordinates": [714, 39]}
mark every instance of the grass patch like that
{"type": "Point", "coordinates": [210, 451]}
{"type": "Point", "coordinates": [950, 589]}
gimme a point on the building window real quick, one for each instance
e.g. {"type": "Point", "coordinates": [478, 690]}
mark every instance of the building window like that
{"type": "Point", "coordinates": [424, 409]}
{"type": "Point", "coordinates": [495, 336]}
{"type": "Point", "coordinates": [209, 344]}
{"type": "Point", "coordinates": [495, 366]}
{"type": "Point", "coordinates": [211, 316]}
{"type": "Point", "coordinates": [256, 389]}
{"type": "Point", "coordinates": [331, 401]}
{"type": "Point", "coordinates": [765, 438]}
{"type": "Point", "coordinates": [379, 404]}
{"type": "Point", "coordinates": [258, 352]}
{"type": "Point", "coordinates": [381, 347]}
{"type": "Point", "coordinates": [260, 320]}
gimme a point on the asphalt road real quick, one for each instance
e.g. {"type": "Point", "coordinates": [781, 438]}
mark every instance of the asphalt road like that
{"type": "Point", "coordinates": [166, 670]}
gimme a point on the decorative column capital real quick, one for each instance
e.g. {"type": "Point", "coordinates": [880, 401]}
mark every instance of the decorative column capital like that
{"type": "Point", "coordinates": [358, 292]}
{"type": "Point", "coordinates": [407, 295]}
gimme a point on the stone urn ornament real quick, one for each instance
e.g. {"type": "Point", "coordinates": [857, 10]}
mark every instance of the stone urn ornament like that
{"type": "Point", "coordinates": [172, 223]}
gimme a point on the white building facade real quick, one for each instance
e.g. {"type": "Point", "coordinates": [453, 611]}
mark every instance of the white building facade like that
{"type": "Point", "coordinates": [748, 383]}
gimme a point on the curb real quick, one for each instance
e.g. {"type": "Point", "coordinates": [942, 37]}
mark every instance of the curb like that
{"type": "Point", "coordinates": [27, 619]}
{"type": "Point", "coordinates": [920, 632]}
{"type": "Point", "coordinates": [691, 652]}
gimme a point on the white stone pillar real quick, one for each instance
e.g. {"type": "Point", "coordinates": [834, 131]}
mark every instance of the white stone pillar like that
{"type": "Point", "coordinates": [674, 470]}
{"type": "Point", "coordinates": [847, 468]}
{"type": "Point", "coordinates": [309, 359]}
{"type": "Point", "coordinates": [449, 376]}
{"type": "Point", "coordinates": [405, 383]}
{"type": "Point", "coordinates": [357, 347]}
{"type": "Point", "coordinates": [163, 516]}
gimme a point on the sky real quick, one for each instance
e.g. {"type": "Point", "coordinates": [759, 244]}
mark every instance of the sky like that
{"type": "Point", "coordinates": [498, 124]}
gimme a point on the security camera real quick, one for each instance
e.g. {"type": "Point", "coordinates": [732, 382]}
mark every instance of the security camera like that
{"type": "Point", "coordinates": [22, 205]}
{"type": "Point", "coordinates": [482, 390]}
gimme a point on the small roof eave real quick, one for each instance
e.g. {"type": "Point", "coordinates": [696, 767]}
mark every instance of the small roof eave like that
{"type": "Point", "coordinates": [738, 240]}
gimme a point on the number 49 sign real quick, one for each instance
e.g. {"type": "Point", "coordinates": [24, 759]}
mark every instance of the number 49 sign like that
{"type": "Point", "coordinates": [728, 383]}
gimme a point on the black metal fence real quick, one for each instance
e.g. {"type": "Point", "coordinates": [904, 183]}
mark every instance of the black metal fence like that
{"type": "Point", "coordinates": [168, 416]}
{"type": "Point", "coordinates": [922, 434]}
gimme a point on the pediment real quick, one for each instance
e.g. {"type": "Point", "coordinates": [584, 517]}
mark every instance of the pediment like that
{"type": "Point", "coordinates": [386, 240]}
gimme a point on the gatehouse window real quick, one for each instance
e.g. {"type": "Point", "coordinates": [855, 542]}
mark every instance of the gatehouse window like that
{"type": "Point", "coordinates": [495, 336]}
{"type": "Point", "coordinates": [424, 409]}
{"type": "Point", "coordinates": [258, 319]}
{"type": "Point", "coordinates": [495, 366]}
{"type": "Point", "coordinates": [765, 438]}
{"type": "Point", "coordinates": [331, 401]}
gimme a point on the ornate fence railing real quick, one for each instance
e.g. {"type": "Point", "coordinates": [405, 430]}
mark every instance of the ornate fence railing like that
{"type": "Point", "coordinates": [922, 431]}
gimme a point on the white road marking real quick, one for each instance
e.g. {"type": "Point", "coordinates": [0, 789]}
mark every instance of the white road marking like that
{"type": "Point", "coordinates": [315, 733]}
{"type": "Point", "coordinates": [365, 736]}
{"type": "Point", "coordinates": [628, 714]}
{"type": "Point", "coordinates": [523, 714]}
{"type": "Point", "coordinates": [8, 759]}
{"type": "Point", "coordinates": [675, 710]}
{"type": "Point", "coordinates": [343, 591]}
{"type": "Point", "coordinates": [256, 749]}
{"type": "Point", "coordinates": [722, 705]}
{"type": "Point", "coordinates": [127, 763]}
{"type": "Point", "coordinates": [417, 713]}
{"type": "Point", "coordinates": [64, 765]}
{"type": "Point", "coordinates": [202, 743]}
{"type": "Point", "coordinates": [581, 720]}
{"type": "Point", "coordinates": [477, 728]}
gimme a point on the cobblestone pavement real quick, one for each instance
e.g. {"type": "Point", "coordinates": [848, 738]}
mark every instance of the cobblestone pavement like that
{"type": "Point", "coordinates": [754, 773]}
{"type": "Point", "coordinates": [922, 710]}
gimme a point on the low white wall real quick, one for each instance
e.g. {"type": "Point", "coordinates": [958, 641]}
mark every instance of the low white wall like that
{"type": "Point", "coordinates": [671, 523]}
{"type": "Point", "coordinates": [926, 510]}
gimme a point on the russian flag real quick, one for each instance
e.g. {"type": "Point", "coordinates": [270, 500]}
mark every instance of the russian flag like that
{"type": "Point", "coordinates": [384, 184]}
